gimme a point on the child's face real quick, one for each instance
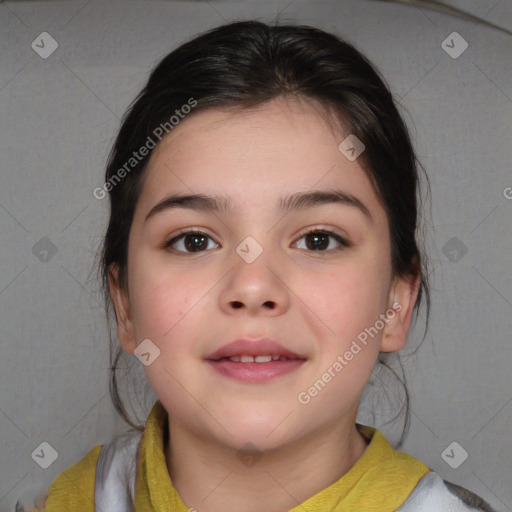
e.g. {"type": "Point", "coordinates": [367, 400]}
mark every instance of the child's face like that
{"type": "Point", "coordinates": [313, 302]}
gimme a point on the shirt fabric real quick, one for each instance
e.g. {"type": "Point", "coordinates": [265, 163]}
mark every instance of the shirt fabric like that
{"type": "Point", "coordinates": [380, 481]}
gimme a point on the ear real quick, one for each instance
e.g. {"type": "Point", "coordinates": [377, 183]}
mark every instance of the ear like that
{"type": "Point", "coordinates": [125, 328]}
{"type": "Point", "coordinates": [402, 298]}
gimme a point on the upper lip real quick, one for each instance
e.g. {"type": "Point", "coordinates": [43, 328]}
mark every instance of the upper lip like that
{"type": "Point", "coordinates": [252, 347]}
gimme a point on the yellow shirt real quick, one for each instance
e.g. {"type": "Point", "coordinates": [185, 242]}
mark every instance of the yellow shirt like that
{"type": "Point", "coordinates": [380, 481]}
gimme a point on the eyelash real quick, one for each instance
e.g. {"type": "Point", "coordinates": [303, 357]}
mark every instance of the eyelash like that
{"type": "Point", "coordinates": [344, 243]}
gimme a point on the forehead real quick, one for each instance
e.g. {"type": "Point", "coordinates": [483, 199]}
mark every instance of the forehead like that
{"type": "Point", "coordinates": [295, 118]}
{"type": "Point", "coordinates": [256, 155]}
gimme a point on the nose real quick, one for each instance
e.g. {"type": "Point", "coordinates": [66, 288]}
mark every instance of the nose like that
{"type": "Point", "coordinates": [258, 287]}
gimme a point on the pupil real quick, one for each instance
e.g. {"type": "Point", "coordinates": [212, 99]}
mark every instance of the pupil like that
{"type": "Point", "coordinates": [316, 237]}
{"type": "Point", "coordinates": [192, 246]}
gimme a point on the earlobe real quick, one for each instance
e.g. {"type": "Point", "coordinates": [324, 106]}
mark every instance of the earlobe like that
{"type": "Point", "coordinates": [125, 328]}
{"type": "Point", "coordinates": [402, 299]}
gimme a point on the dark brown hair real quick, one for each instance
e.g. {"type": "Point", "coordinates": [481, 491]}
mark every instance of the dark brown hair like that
{"type": "Point", "coordinates": [246, 64]}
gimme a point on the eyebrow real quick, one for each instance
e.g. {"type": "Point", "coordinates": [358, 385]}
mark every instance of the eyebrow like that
{"type": "Point", "coordinates": [298, 201]}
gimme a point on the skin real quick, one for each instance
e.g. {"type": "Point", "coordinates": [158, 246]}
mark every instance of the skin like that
{"type": "Point", "coordinates": [315, 303]}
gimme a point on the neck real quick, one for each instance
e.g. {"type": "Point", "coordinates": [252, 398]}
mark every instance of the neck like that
{"type": "Point", "coordinates": [212, 478]}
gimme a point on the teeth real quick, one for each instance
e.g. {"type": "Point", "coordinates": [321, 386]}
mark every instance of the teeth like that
{"type": "Point", "coordinates": [263, 359]}
{"type": "Point", "coordinates": [258, 359]}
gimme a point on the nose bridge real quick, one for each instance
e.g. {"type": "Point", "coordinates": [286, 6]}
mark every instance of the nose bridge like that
{"type": "Point", "coordinates": [257, 236]}
{"type": "Point", "coordinates": [253, 260]}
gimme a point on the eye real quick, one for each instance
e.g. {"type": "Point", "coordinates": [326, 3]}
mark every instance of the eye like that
{"type": "Point", "coordinates": [193, 241]}
{"type": "Point", "coordinates": [197, 241]}
{"type": "Point", "coordinates": [319, 240]}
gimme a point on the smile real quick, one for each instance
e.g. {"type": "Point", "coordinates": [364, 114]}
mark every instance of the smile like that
{"type": "Point", "coordinates": [254, 360]}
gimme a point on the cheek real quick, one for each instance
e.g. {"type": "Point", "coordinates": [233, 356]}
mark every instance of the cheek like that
{"type": "Point", "coordinates": [346, 306]}
{"type": "Point", "coordinates": [167, 301]}
{"type": "Point", "coordinates": [350, 298]}
{"type": "Point", "coordinates": [159, 304]}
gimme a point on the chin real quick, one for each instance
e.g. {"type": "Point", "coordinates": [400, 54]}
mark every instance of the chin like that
{"type": "Point", "coordinates": [265, 434]}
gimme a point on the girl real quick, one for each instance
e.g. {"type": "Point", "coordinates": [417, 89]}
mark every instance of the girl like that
{"type": "Point", "coordinates": [261, 257]}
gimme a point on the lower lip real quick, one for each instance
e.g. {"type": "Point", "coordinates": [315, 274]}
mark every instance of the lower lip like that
{"type": "Point", "coordinates": [256, 372]}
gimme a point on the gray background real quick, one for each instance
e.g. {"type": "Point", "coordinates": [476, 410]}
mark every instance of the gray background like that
{"type": "Point", "coordinates": [59, 116]}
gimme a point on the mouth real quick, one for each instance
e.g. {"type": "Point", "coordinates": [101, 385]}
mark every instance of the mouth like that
{"type": "Point", "coordinates": [254, 361]}
{"type": "Point", "coordinates": [267, 358]}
